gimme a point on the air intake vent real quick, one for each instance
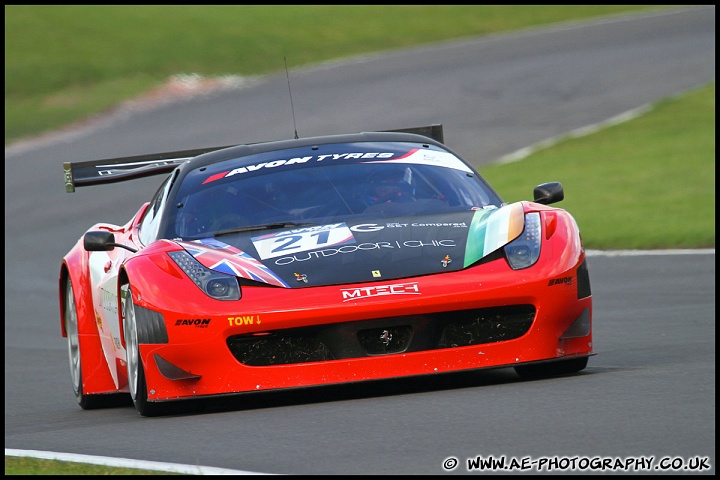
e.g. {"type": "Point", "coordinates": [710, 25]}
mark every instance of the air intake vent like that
{"type": "Point", "coordinates": [383, 336]}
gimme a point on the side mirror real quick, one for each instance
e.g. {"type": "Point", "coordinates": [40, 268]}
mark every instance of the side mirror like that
{"type": "Point", "coordinates": [99, 241]}
{"type": "Point", "coordinates": [548, 193]}
{"type": "Point", "coordinates": [102, 241]}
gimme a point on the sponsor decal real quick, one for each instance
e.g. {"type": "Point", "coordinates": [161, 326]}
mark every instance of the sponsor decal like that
{"type": "Point", "coordinates": [415, 156]}
{"type": "Point", "coordinates": [108, 301]}
{"type": "Point", "coordinates": [105, 170]}
{"type": "Point", "coordinates": [374, 227]}
{"type": "Point", "coordinates": [195, 322]}
{"type": "Point", "coordinates": [439, 159]}
{"type": "Point", "coordinates": [360, 293]}
{"type": "Point", "coordinates": [329, 252]}
{"type": "Point", "coordinates": [445, 261]}
{"type": "Point", "coordinates": [454, 225]}
{"type": "Point", "coordinates": [560, 281]}
{"type": "Point", "coordinates": [296, 160]}
{"type": "Point", "coordinates": [244, 320]}
{"type": "Point", "coordinates": [367, 227]}
{"type": "Point", "coordinates": [302, 239]}
{"type": "Point", "coordinates": [301, 277]}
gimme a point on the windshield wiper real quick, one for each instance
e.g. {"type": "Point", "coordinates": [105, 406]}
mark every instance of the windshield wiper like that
{"type": "Point", "coordinates": [265, 226]}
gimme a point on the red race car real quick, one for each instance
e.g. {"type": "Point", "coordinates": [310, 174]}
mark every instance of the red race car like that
{"type": "Point", "coordinates": [317, 261]}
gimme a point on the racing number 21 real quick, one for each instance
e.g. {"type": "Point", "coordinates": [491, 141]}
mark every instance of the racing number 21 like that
{"type": "Point", "coordinates": [302, 240]}
{"type": "Point", "coordinates": [291, 242]}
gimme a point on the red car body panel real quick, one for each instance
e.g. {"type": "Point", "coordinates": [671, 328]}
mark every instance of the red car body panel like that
{"type": "Point", "coordinates": [200, 348]}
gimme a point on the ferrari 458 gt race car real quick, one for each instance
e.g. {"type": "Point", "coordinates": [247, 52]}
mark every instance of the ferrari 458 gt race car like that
{"type": "Point", "coordinates": [318, 261]}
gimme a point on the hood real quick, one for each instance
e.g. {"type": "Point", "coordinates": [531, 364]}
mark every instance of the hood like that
{"type": "Point", "coordinates": [363, 250]}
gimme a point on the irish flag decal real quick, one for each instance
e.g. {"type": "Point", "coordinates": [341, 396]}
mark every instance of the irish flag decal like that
{"type": "Point", "coordinates": [492, 229]}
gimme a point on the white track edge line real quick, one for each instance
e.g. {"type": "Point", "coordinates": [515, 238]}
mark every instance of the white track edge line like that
{"type": "Point", "coordinates": [127, 463]}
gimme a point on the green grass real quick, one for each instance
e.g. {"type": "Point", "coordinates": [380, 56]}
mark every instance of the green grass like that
{"type": "Point", "coordinates": [65, 63]}
{"type": "Point", "coordinates": [646, 183]}
{"type": "Point", "coordinates": [33, 466]}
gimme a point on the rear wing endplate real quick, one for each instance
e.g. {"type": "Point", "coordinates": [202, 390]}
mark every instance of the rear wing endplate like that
{"type": "Point", "coordinates": [111, 170]}
{"type": "Point", "coordinates": [433, 131]}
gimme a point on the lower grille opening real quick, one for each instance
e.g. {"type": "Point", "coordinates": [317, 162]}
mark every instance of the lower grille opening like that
{"type": "Point", "coordinates": [278, 349]}
{"type": "Point", "coordinates": [378, 341]}
{"type": "Point", "coordinates": [486, 326]}
{"type": "Point", "coordinates": [383, 336]}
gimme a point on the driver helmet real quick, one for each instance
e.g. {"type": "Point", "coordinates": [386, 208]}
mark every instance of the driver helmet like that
{"type": "Point", "coordinates": [390, 185]}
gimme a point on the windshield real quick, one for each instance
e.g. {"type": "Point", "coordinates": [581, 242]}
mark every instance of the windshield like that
{"type": "Point", "coordinates": [325, 184]}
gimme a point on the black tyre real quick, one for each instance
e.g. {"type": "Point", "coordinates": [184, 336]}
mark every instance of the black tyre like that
{"type": "Point", "coordinates": [551, 369]}
{"type": "Point", "coordinates": [136, 373]}
{"type": "Point", "coordinates": [86, 401]}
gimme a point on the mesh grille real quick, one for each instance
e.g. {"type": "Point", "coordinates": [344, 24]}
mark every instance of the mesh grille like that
{"type": "Point", "coordinates": [383, 336]}
{"type": "Point", "coordinates": [278, 349]}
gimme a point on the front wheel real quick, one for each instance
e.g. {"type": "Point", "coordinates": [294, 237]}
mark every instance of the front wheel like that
{"type": "Point", "coordinates": [136, 373]}
{"type": "Point", "coordinates": [86, 401]}
{"type": "Point", "coordinates": [551, 369]}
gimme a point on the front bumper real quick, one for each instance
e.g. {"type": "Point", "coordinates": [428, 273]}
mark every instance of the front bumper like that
{"type": "Point", "coordinates": [454, 323]}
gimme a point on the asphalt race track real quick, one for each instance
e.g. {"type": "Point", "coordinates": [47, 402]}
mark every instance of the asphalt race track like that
{"type": "Point", "coordinates": [649, 391]}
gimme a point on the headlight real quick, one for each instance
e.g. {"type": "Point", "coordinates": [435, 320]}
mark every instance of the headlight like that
{"type": "Point", "coordinates": [524, 251]}
{"type": "Point", "coordinates": [217, 285]}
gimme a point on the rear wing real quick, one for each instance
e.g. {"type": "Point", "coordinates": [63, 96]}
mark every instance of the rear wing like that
{"type": "Point", "coordinates": [96, 172]}
{"type": "Point", "coordinates": [111, 170]}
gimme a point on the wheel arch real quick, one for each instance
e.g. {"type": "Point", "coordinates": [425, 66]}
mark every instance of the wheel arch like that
{"type": "Point", "coordinates": [122, 280]}
{"type": "Point", "coordinates": [96, 376]}
{"type": "Point", "coordinates": [74, 269]}
{"type": "Point", "coordinates": [63, 279]}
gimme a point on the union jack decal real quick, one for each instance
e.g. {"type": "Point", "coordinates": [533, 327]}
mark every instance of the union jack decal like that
{"type": "Point", "coordinates": [225, 258]}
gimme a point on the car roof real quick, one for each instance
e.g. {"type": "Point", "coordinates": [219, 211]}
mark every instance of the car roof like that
{"type": "Point", "coordinates": [264, 147]}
